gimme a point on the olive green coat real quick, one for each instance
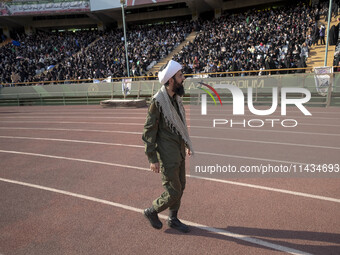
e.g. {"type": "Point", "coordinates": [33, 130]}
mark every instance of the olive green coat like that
{"type": "Point", "coordinates": [165, 146]}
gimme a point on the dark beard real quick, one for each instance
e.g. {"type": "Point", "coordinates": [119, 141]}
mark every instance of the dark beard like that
{"type": "Point", "coordinates": [178, 89]}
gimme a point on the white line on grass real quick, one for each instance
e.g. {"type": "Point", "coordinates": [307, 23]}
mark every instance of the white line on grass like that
{"type": "Point", "coordinates": [196, 177]}
{"type": "Point", "coordinates": [138, 210]}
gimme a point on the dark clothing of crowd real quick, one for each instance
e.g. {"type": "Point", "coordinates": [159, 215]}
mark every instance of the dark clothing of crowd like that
{"type": "Point", "coordinates": [68, 56]}
{"type": "Point", "coordinates": [255, 40]}
{"type": "Point", "coordinates": [39, 52]}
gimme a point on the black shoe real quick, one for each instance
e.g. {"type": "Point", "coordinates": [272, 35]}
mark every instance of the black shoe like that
{"type": "Point", "coordinates": [152, 216]}
{"type": "Point", "coordinates": [176, 224]}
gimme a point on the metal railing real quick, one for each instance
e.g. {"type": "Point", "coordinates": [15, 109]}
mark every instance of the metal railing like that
{"type": "Point", "coordinates": [93, 93]}
{"type": "Point", "coordinates": [150, 78]}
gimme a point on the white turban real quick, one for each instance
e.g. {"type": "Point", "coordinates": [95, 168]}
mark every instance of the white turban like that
{"type": "Point", "coordinates": [171, 69]}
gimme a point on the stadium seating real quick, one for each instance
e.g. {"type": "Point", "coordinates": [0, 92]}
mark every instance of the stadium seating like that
{"type": "Point", "coordinates": [255, 40]}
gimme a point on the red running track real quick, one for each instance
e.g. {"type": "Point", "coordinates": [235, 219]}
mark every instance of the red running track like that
{"type": "Point", "coordinates": [74, 180]}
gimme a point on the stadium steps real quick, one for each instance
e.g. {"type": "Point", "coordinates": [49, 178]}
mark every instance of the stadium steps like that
{"type": "Point", "coordinates": [190, 38]}
{"type": "Point", "coordinates": [317, 52]}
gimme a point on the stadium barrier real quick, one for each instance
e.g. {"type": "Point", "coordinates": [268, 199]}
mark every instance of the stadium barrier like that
{"type": "Point", "coordinates": [138, 78]}
{"type": "Point", "coordinates": [93, 93]}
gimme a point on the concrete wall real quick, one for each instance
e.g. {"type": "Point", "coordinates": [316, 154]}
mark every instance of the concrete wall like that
{"type": "Point", "coordinates": [235, 4]}
{"type": "Point", "coordinates": [158, 15]}
{"type": "Point", "coordinates": [62, 23]}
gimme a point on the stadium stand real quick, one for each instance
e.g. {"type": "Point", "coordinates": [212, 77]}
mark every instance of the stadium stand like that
{"type": "Point", "coordinates": [258, 39]}
{"type": "Point", "coordinates": [147, 44]}
{"type": "Point", "coordinates": [271, 39]}
{"type": "Point", "coordinates": [27, 59]}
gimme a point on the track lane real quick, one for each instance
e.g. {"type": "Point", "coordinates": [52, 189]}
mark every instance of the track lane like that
{"type": "Point", "coordinates": [315, 237]}
{"type": "Point", "coordinates": [216, 215]}
{"type": "Point", "coordinates": [109, 154]}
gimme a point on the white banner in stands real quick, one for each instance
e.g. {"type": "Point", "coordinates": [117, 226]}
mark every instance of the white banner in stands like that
{"type": "Point", "coordinates": [9, 8]}
{"type": "Point", "coordinates": [141, 2]}
{"type": "Point", "coordinates": [126, 86]}
{"type": "Point", "coordinates": [323, 79]}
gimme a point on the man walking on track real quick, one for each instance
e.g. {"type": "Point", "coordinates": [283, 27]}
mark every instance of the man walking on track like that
{"type": "Point", "coordinates": [166, 138]}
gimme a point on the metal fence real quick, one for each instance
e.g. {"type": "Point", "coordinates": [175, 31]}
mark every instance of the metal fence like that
{"type": "Point", "coordinates": [149, 78]}
{"type": "Point", "coordinates": [93, 93]}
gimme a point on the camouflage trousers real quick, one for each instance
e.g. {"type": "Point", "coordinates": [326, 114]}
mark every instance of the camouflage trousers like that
{"type": "Point", "coordinates": [173, 181]}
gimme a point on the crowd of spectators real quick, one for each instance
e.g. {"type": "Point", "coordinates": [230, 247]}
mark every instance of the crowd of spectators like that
{"type": "Point", "coordinates": [26, 58]}
{"type": "Point", "coordinates": [67, 57]}
{"type": "Point", "coordinates": [2, 38]}
{"type": "Point", "coordinates": [256, 40]}
{"type": "Point", "coordinates": [146, 46]}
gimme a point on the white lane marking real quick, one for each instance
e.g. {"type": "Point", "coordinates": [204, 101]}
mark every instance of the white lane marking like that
{"type": "Point", "coordinates": [75, 122]}
{"type": "Point", "coordinates": [162, 216]}
{"type": "Point", "coordinates": [79, 111]}
{"type": "Point", "coordinates": [295, 193]}
{"type": "Point", "coordinates": [273, 116]}
{"type": "Point", "coordinates": [139, 133]}
{"type": "Point", "coordinates": [249, 158]}
{"type": "Point", "coordinates": [266, 142]}
{"type": "Point", "coordinates": [265, 130]}
{"type": "Point", "coordinates": [197, 177]}
{"type": "Point", "coordinates": [140, 146]}
{"type": "Point", "coordinates": [75, 159]}
{"type": "Point", "coordinates": [124, 123]}
{"type": "Point", "coordinates": [76, 130]}
{"type": "Point", "coordinates": [125, 117]}
{"type": "Point", "coordinates": [278, 111]}
{"type": "Point", "coordinates": [73, 117]}
{"type": "Point", "coordinates": [320, 125]}
{"type": "Point", "coordinates": [72, 141]}
{"type": "Point", "coordinates": [144, 110]}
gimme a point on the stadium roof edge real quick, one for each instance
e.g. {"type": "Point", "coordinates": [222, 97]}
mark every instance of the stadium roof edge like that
{"type": "Point", "coordinates": [114, 14]}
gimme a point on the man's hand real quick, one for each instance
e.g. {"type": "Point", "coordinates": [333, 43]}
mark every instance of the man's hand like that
{"type": "Point", "coordinates": [189, 152]}
{"type": "Point", "coordinates": [154, 167]}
